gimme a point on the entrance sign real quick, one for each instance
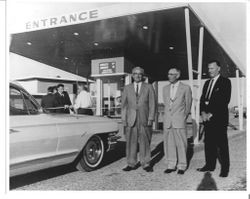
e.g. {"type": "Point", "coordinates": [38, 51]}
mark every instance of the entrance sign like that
{"type": "Point", "coordinates": [107, 68]}
{"type": "Point", "coordinates": [87, 16]}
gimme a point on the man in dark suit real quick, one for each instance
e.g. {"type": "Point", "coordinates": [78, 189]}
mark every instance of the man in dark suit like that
{"type": "Point", "coordinates": [214, 102]}
{"type": "Point", "coordinates": [138, 112]}
{"type": "Point", "coordinates": [62, 100]}
{"type": "Point", "coordinates": [48, 101]}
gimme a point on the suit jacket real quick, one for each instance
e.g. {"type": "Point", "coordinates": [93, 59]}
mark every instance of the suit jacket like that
{"type": "Point", "coordinates": [144, 104]}
{"type": "Point", "coordinates": [175, 114]}
{"type": "Point", "coordinates": [218, 102]}
{"type": "Point", "coordinates": [49, 101]}
{"type": "Point", "coordinates": [61, 101]}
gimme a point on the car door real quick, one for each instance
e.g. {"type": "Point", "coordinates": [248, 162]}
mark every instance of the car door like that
{"type": "Point", "coordinates": [72, 131]}
{"type": "Point", "coordinates": [33, 136]}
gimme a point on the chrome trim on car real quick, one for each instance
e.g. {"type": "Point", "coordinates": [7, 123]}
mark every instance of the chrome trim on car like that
{"type": "Point", "coordinates": [112, 140]}
{"type": "Point", "coordinates": [42, 160]}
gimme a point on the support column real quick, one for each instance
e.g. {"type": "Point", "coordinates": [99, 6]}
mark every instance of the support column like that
{"type": "Point", "coordinates": [109, 103]}
{"type": "Point", "coordinates": [156, 126]}
{"type": "Point", "coordinates": [200, 57]}
{"type": "Point", "coordinates": [190, 65]}
{"type": "Point", "coordinates": [239, 101]}
{"type": "Point", "coordinates": [99, 94]}
{"type": "Point", "coordinates": [242, 99]}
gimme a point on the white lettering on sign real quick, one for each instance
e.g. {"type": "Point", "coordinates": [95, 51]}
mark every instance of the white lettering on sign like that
{"type": "Point", "coordinates": [62, 20]}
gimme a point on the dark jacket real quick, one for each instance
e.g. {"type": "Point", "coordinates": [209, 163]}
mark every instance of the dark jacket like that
{"type": "Point", "coordinates": [49, 101]}
{"type": "Point", "coordinates": [218, 102]}
{"type": "Point", "coordinates": [61, 101]}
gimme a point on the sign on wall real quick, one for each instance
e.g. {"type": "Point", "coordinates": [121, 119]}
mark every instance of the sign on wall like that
{"type": "Point", "coordinates": [107, 67]}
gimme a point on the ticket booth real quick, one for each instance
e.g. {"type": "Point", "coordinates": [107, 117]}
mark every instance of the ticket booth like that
{"type": "Point", "coordinates": [111, 75]}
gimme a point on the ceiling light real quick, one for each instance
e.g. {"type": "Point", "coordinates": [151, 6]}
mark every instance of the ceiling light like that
{"type": "Point", "coordinates": [145, 27]}
{"type": "Point", "coordinates": [171, 48]}
{"type": "Point", "coordinates": [29, 43]}
{"type": "Point", "coordinates": [66, 58]}
{"type": "Point", "coordinates": [96, 44]}
{"type": "Point", "coordinates": [76, 33]}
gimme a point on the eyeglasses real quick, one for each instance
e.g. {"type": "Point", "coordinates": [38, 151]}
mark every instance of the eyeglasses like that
{"type": "Point", "coordinates": [137, 73]}
{"type": "Point", "coordinates": [172, 73]}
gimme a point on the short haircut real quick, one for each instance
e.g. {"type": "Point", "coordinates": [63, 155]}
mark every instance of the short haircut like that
{"type": "Point", "coordinates": [50, 89]}
{"type": "Point", "coordinates": [177, 69]}
{"type": "Point", "coordinates": [138, 68]}
{"type": "Point", "coordinates": [60, 85]}
{"type": "Point", "coordinates": [84, 86]}
{"type": "Point", "coordinates": [54, 88]}
{"type": "Point", "coordinates": [214, 61]}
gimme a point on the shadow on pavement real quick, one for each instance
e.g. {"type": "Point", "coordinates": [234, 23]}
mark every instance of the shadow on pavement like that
{"type": "Point", "coordinates": [190, 150]}
{"type": "Point", "coordinates": [157, 154]}
{"type": "Point", "coordinates": [207, 183]}
{"type": "Point", "coordinates": [118, 153]}
{"type": "Point", "coordinates": [30, 178]}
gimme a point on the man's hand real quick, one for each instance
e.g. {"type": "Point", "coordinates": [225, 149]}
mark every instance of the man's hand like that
{"type": "Point", "coordinates": [150, 122]}
{"type": "Point", "coordinates": [209, 115]}
{"type": "Point", "coordinates": [66, 106]}
{"type": "Point", "coordinates": [204, 117]}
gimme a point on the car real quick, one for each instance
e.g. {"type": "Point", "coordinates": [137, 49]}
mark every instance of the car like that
{"type": "Point", "coordinates": [40, 140]}
{"type": "Point", "coordinates": [235, 111]}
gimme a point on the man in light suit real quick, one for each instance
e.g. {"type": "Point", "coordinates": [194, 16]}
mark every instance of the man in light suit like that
{"type": "Point", "coordinates": [177, 100]}
{"type": "Point", "coordinates": [214, 102]}
{"type": "Point", "coordinates": [138, 112]}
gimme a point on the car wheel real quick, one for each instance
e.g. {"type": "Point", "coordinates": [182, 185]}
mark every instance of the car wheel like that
{"type": "Point", "coordinates": [92, 154]}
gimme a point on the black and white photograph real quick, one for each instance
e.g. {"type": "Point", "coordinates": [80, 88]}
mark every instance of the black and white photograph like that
{"type": "Point", "coordinates": [126, 96]}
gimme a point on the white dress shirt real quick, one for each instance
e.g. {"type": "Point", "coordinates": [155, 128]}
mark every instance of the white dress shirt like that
{"type": "Point", "coordinates": [173, 90]}
{"type": "Point", "coordinates": [83, 100]}
{"type": "Point", "coordinates": [139, 86]}
{"type": "Point", "coordinates": [215, 79]}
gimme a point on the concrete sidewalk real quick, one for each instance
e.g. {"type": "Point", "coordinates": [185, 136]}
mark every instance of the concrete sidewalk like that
{"type": "Point", "coordinates": [193, 180]}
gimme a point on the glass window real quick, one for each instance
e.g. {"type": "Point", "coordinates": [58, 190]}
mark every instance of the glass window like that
{"type": "Point", "coordinates": [29, 104]}
{"type": "Point", "coordinates": [20, 104]}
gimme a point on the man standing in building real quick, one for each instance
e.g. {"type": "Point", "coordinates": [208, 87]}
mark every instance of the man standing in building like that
{"type": "Point", "coordinates": [48, 101]}
{"type": "Point", "coordinates": [138, 112]}
{"type": "Point", "coordinates": [177, 100]}
{"type": "Point", "coordinates": [62, 100]}
{"type": "Point", "coordinates": [214, 102]}
{"type": "Point", "coordinates": [83, 101]}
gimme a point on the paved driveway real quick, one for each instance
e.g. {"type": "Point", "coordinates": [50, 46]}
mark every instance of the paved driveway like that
{"type": "Point", "coordinates": [111, 176]}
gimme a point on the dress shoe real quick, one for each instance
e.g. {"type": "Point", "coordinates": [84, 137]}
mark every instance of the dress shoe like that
{"type": "Point", "coordinates": [148, 169]}
{"type": "Point", "coordinates": [128, 168]}
{"type": "Point", "coordinates": [204, 169]}
{"type": "Point", "coordinates": [169, 170]}
{"type": "Point", "coordinates": [180, 172]}
{"type": "Point", "coordinates": [223, 174]}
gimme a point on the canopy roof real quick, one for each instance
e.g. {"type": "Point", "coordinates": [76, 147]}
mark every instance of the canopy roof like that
{"type": "Point", "coordinates": [154, 40]}
{"type": "Point", "coordinates": [23, 68]}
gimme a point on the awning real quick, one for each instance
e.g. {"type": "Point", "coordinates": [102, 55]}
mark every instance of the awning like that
{"type": "Point", "coordinates": [151, 38]}
{"type": "Point", "coordinates": [23, 69]}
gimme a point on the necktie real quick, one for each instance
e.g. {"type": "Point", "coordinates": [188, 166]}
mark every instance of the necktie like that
{"type": "Point", "coordinates": [137, 90]}
{"type": "Point", "coordinates": [172, 92]}
{"type": "Point", "coordinates": [209, 89]}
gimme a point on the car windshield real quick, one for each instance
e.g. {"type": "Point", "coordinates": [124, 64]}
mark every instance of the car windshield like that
{"type": "Point", "coordinates": [22, 103]}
